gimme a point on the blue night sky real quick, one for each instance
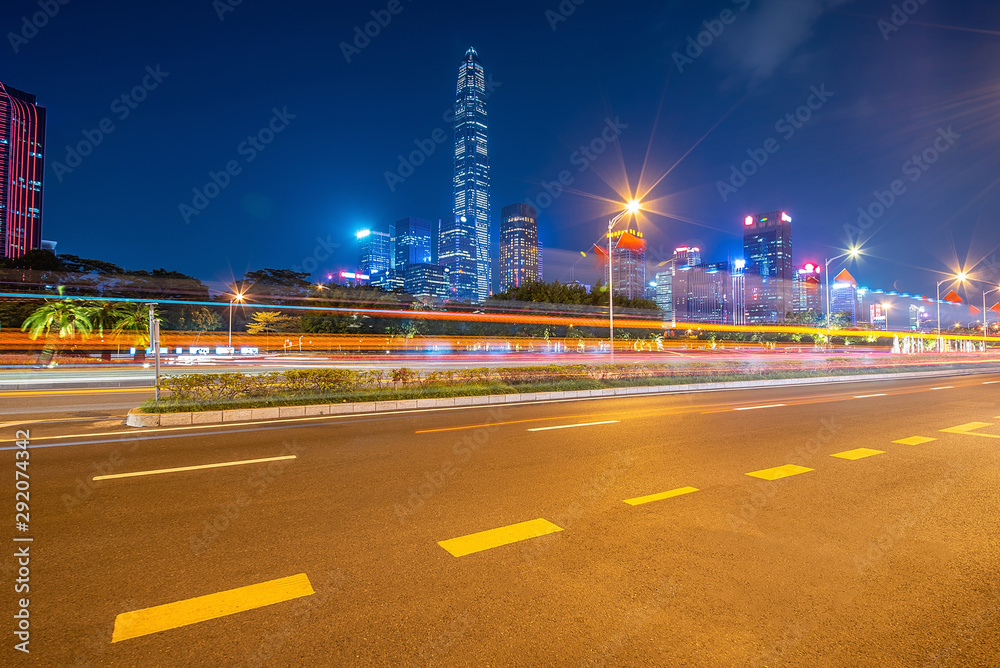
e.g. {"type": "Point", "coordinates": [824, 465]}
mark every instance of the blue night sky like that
{"type": "Point", "coordinates": [886, 94]}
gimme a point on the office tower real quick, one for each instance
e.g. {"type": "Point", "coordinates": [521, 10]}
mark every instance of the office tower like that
{"type": "Point", "coordinates": [457, 254]}
{"type": "Point", "coordinates": [687, 255]}
{"type": "Point", "coordinates": [22, 172]}
{"type": "Point", "coordinates": [519, 256]}
{"type": "Point", "coordinates": [807, 290]}
{"type": "Point", "coordinates": [844, 297]}
{"type": "Point", "coordinates": [426, 281]}
{"type": "Point", "coordinates": [472, 177]}
{"type": "Point", "coordinates": [879, 317]}
{"type": "Point", "coordinates": [412, 244]}
{"type": "Point", "coordinates": [702, 293]}
{"type": "Point", "coordinates": [628, 267]}
{"type": "Point", "coordinates": [739, 292]}
{"type": "Point", "coordinates": [915, 316]}
{"type": "Point", "coordinates": [375, 256]}
{"type": "Point", "coordinates": [664, 279]}
{"type": "Point", "coordinates": [767, 249]}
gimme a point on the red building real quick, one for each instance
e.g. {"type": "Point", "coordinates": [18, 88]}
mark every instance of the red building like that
{"type": "Point", "coordinates": [22, 170]}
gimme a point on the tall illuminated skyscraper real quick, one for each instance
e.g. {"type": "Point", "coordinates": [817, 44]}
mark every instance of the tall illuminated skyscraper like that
{"type": "Point", "coordinates": [472, 181]}
{"type": "Point", "coordinates": [22, 169]}
{"type": "Point", "coordinates": [767, 248]}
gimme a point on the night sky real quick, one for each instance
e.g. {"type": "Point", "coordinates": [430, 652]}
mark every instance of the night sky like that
{"type": "Point", "coordinates": [887, 94]}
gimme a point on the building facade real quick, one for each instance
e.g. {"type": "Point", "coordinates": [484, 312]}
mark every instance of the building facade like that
{"type": "Point", "coordinates": [471, 181]}
{"type": "Point", "coordinates": [702, 293]}
{"type": "Point", "coordinates": [807, 290]}
{"type": "Point", "coordinates": [520, 255]}
{"type": "Point", "coordinates": [628, 268]}
{"type": "Point", "coordinates": [376, 255]}
{"type": "Point", "coordinates": [687, 256]}
{"type": "Point", "coordinates": [426, 281]}
{"type": "Point", "coordinates": [664, 298]}
{"type": "Point", "coordinates": [22, 171]}
{"type": "Point", "coordinates": [844, 297]}
{"type": "Point", "coordinates": [412, 243]}
{"type": "Point", "coordinates": [767, 249]}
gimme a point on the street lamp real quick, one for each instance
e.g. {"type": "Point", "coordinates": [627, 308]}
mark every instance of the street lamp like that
{"type": "Point", "coordinates": [632, 208]}
{"type": "Point", "coordinates": [853, 253]}
{"type": "Point", "coordinates": [238, 297]}
{"type": "Point", "coordinates": [960, 277]}
{"type": "Point", "coordinates": [986, 325]}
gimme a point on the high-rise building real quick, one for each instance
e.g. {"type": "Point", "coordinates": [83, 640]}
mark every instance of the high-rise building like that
{"type": "Point", "coordinates": [472, 179]}
{"type": "Point", "coordinates": [629, 266]}
{"type": "Point", "coordinates": [664, 279]}
{"type": "Point", "coordinates": [412, 243]}
{"type": "Point", "coordinates": [807, 290]}
{"type": "Point", "coordinates": [687, 256]}
{"type": "Point", "coordinates": [739, 292]}
{"type": "Point", "coordinates": [767, 249]}
{"type": "Point", "coordinates": [22, 172]}
{"type": "Point", "coordinates": [844, 296]}
{"type": "Point", "coordinates": [457, 254]}
{"type": "Point", "coordinates": [519, 253]}
{"type": "Point", "coordinates": [702, 293]}
{"type": "Point", "coordinates": [426, 281]}
{"type": "Point", "coordinates": [375, 256]}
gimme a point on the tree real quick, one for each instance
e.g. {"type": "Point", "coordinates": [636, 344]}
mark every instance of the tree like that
{"type": "Point", "coordinates": [66, 316]}
{"type": "Point", "coordinates": [132, 318]}
{"type": "Point", "coordinates": [267, 322]}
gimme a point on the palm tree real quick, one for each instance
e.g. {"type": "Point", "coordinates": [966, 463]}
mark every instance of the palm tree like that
{"type": "Point", "coordinates": [133, 318]}
{"type": "Point", "coordinates": [267, 322]}
{"type": "Point", "coordinates": [67, 317]}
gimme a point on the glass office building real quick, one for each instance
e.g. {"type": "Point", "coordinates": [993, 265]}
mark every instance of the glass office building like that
{"type": "Point", "coordinates": [22, 169]}
{"type": "Point", "coordinates": [519, 253]}
{"type": "Point", "coordinates": [767, 249]}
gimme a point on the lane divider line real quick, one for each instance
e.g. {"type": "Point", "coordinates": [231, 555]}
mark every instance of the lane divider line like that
{"type": "Point", "coordinates": [212, 606]}
{"type": "Point", "coordinates": [571, 426]}
{"type": "Point", "coordinates": [967, 429]}
{"type": "Point", "coordinates": [869, 396]}
{"type": "Point", "coordinates": [495, 424]}
{"type": "Point", "coordinates": [136, 474]}
{"type": "Point", "coordinates": [485, 540]}
{"type": "Point", "coordinates": [753, 408]}
{"type": "Point", "coordinates": [858, 453]}
{"type": "Point", "coordinates": [662, 495]}
{"type": "Point", "coordinates": [991, 382]}
{"type": "Point", "coordinates": [944, 387]}
{"type": "Point", "coordinates": [779, 472]}
{"type": "Point", "coordinates": [915, 440]}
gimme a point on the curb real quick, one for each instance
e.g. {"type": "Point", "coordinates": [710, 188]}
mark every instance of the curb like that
{"type": "Point", "coordinates": [137, 418]}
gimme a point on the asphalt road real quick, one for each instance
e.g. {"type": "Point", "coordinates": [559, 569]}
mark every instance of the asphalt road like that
{"type": "Point", "coordinates": [887, 560]}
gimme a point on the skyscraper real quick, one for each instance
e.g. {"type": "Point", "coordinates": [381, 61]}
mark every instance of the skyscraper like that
{"type": "Point", "coordinates": [413, 243]}
{"type": "Point", "coordinates": [807, 290]}
{"type": "Point", "coordinates": [629, 267]}
{"type": "Point", "coordinates": [519, 252]}
{"type": "Point", "coordinates": [457, 253]}
{"type": "Point", "coordinates": [664, 298]}
{"type": "Point", "coordinates": [844, 297]}
{"type": "Point", "coordinates": [767, 249]}
{"type": "Point", "coordinates": [22, 170]}
{"type": "Point", "coordinates": [687, 256]}
{"type": "Point", "coordinates": [375, 256]}
{"type": "Point", "coordinates": [472, 178]}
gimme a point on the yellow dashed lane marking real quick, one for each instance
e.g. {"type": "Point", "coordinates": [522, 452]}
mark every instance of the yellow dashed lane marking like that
{"type": "Point", "coordinates": [193, 610]}
{"type": "Point", "coordinates": [915, 440]}
{"type": "Point", "coordinates": [967, 429]}
{"type": "Point", "coordinates": [859, 453]}
{"type": "Point", "coordinates": [779, 472]}
{"type": "Point", "coordinates": [485, 540]}
{"type": "Point", "coordinates": [662, 495]}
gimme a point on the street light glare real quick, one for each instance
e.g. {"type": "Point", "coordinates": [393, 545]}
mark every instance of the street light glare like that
{"type": "Point", "coordinates": [633, 206]}
{"type": "Point", "coordinates": [855, 251]}
{"type": "Point", "coordinates": [961, 277]}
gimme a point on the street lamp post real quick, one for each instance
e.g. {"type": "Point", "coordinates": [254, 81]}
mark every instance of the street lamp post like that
{"type": "Point", "coordinates": [853, 252]}
{"type": "Point", "coordinates": [237, 298]}
{"type": "Point", "coordinates": [632, 208]}
{"type": "Point", "coordinates": [986, 324]}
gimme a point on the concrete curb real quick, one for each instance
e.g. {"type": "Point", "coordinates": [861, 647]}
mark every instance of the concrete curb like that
{"type": "Point", "coordinates": [137, 418]}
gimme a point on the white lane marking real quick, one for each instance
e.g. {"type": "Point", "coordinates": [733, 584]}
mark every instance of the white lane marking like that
{"type": "Point", "coordinates": [869, 396]}
{"type": "Point", "coordinates": [945, 387]}
{"type": "Point", "coordinates": [991, 382]}
{"type": "Point", "coordinates": [192, 468]}
{"type": "Point", "coordinates": [570, 426]}
{"type": "Point", "coordinates": [753, 408]}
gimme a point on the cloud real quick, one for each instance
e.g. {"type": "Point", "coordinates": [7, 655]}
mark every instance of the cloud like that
{"type": "Point", "coordinates": [771, 32]}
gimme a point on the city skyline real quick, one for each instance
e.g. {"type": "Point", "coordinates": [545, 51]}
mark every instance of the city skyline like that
{"type": "Point", "coordinates": [946, 214]}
